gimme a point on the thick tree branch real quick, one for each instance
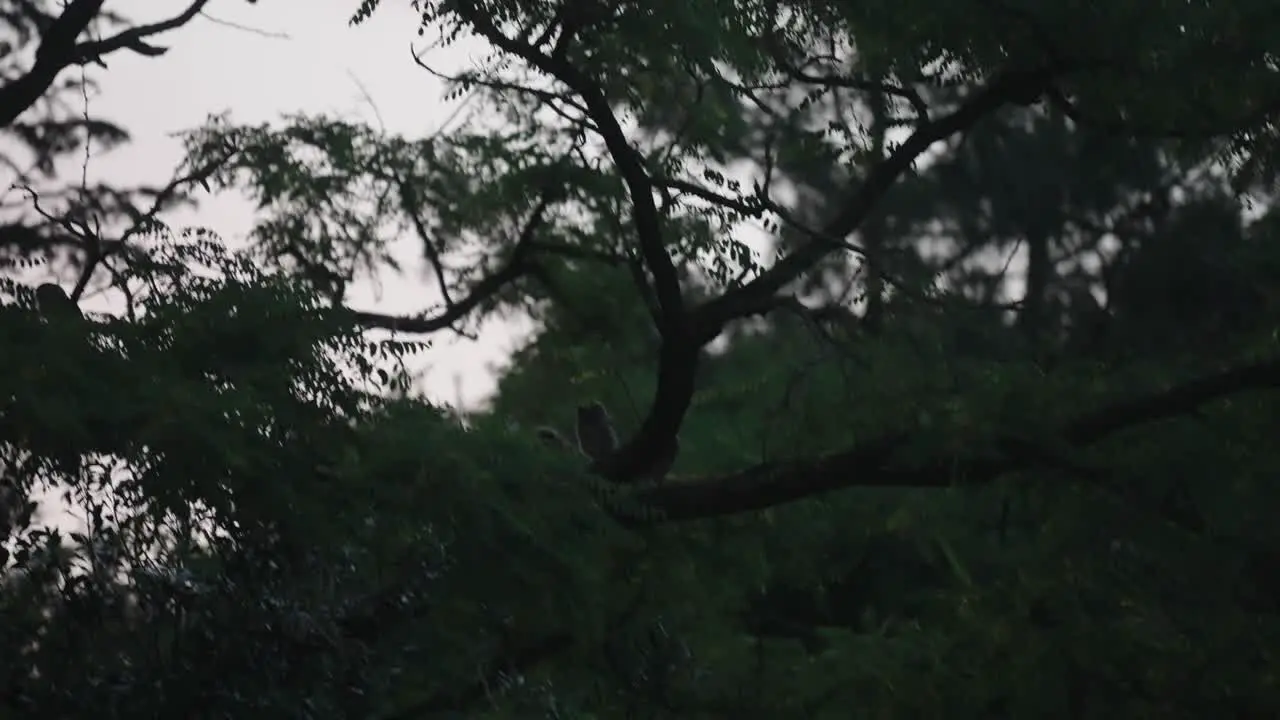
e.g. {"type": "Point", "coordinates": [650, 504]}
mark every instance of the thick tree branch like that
{"type": "Point", "coordinates": [678, 354]}
{"type": "Point", "coordinates": [881, 463]}
{"type": "Point", "coordinates": [1173, 402]}
{"type": "Point", "coordinates": [58, 49]}
{"type": "Point", "coordinates": [710, 318]}
{"type": "Point", "coordinates": [625, 158]}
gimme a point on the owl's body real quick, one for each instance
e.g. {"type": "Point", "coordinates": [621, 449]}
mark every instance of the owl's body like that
{"type": "Point", "coordinates": [596, 436]}
{"type": "Point", "coordinates": [54, 303]}
{"type": "Point", "coordinates": [598, 441]}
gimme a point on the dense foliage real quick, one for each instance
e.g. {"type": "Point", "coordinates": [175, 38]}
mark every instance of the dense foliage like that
{"type": "Point", "coordinates": [986, 431]}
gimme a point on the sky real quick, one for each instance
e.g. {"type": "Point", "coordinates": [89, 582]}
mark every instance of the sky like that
{"type": "Point", "coordinates": [266, 60]}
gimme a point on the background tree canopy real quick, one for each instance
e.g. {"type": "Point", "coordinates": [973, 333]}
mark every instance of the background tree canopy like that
{"type": "Point", "coordinates": [985, 429]}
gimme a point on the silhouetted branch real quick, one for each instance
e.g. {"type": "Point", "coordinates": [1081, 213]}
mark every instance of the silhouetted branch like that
{"type": "Point", "coordinates": [882, 463]}
{"type": "Point", "coordinates": [58, 49]}
{"type": "Point", "coordinates": [515, 268]}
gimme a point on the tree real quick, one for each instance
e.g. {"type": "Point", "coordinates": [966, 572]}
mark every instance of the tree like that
{"type": "Point", "coordinates": [944, 502]}
{"type": "Point", "coordinates": [1083, 85]}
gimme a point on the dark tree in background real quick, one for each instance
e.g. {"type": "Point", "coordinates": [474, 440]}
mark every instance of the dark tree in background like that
{"type": "Point", "coordinates": [987, 430]}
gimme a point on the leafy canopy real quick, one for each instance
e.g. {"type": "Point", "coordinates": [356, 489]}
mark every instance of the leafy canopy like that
{"type": "Point", "coordinates": [895, 490]}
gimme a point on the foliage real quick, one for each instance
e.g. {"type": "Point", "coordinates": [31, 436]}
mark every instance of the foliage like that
{"type": "Point", "coordinates": [244, 488]}
{"type": "Point", "coordinates": [915, 477]}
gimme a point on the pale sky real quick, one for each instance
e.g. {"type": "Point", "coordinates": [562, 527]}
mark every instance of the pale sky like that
{"type": "Point", "coordinates": [273, 58]}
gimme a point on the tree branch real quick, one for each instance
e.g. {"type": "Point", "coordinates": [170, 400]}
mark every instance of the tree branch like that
{"type": "Point", "coordinates": [878, 464]}
{"type": "Point", "coordinates": [710, 318]}
{"type": "Point", "coordinates": [58, 49]}
{"type": "Point", "coordinates": [514, 269]}
{"type": "Point", "coordinates": [678, 354]}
